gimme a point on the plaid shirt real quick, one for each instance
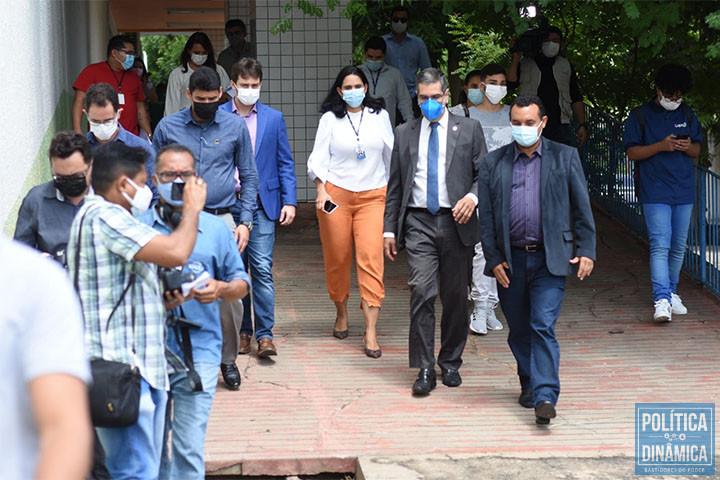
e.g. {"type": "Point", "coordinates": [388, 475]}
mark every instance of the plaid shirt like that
{"type": "Point", "coordinates": [110, 239]}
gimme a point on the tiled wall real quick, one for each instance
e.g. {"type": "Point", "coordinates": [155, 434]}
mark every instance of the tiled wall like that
{"type": "Point", "coordinates": [298, 69]}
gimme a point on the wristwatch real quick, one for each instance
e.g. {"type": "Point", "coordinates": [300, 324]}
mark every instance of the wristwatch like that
{"type": "Point", "coordinates": [249, 225]}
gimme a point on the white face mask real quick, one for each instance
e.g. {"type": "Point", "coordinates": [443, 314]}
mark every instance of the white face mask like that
{"type": "Point", "coordinates": [141, 201]}
{"type": "Point", "coordinates": [399, 27]}
{"type": "Point", "coordinates": [198, 59]}
{"type": "Point", "coordinates": [104, 132]}
{"type": "Point", "coordinates": [495, 93]}
{"type": "Point", "coordinates": [248, 96]}
{"type": "Point", "coordinates": [669, 104]}
{"type": "Point", "coordinates": [550, 49]}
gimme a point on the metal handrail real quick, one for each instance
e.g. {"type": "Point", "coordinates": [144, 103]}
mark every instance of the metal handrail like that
{"type": "Point", "coordinates": [612, 187]}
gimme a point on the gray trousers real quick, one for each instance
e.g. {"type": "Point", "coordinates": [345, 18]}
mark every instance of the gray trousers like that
{"type": "Point", "coordinates": [231, 315]}
{"type": "Point", "coordinates": [438, 261]}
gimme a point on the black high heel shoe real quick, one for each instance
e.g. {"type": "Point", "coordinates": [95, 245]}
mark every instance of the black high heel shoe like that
{"type": "Point", "coordinates": [371, 353]}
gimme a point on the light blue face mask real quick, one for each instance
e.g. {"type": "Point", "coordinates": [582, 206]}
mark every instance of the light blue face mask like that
{"type": "Point", "coordinates": [475, 95]}
{"type": "Point", "coordinates": [165, 191]}
{"type": "Point", "coordinates": [525, 136]}
{"type": "Point", "coordinates": [128, 62]}
{"type": "Point", "coordinates": [354, 97]}
{"type": "Point", "coordinates": [432, 109]}
{"type": "Point", "coordinates": [374, 65]}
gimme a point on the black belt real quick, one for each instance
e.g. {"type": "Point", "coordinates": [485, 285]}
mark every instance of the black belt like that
{"type": "Point", "coordinates": [531, 248]}
{"type": "Point", "coordinates": [218, 211]}
{"type": "Point", "coordinates": [441, 211]}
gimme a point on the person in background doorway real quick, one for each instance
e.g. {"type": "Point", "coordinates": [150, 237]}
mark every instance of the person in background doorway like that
{"type": "Point", "coordinates": [115, 70]}
{"type": "Point", "coordinates": [151, 95]}
{"type": "Point", "coordinates": [198, 52]}
{"type": "Point", "coordinates": [235, 31]}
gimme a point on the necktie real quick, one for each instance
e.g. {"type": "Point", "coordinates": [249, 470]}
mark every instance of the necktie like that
{"type": "Point", "coordinates": [433, 202]}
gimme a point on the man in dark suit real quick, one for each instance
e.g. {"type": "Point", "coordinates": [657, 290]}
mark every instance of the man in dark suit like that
{"type": "Point", "coordinates": [430, 209]}
{"type": "Point", "coordinates": [536, 223]}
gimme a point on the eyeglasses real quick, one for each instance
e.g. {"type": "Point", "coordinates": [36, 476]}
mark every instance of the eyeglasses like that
{"type": "Point", "coordinates": [399, 19]}
{"type": "Point", "coordinates": [167, 177]}
{"type": "Point", "coordinates": [77, 175]}
{"type": "Point", "coordinates": [435, 97]}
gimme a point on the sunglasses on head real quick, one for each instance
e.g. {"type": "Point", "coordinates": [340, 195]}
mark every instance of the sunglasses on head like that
{"type": "Point", "coordinates": [399, 20]}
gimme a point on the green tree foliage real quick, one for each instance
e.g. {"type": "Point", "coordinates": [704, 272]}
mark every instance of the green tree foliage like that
{"type": "Point", "coordinates": [163, 54]}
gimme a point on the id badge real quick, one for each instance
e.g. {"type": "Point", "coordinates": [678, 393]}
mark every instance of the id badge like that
{"type": "Point", "coordinates": [359, 152]}
{"type": "Point", "coordinates": [121, 98]}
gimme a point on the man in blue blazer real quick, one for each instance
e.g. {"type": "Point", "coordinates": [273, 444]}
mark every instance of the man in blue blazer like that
{"type": "Point", "coordinates": [536, 225]}
{"type": "Point", "coordinates": [277, 199]}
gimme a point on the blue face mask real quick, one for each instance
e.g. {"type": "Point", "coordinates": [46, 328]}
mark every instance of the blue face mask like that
{"type": "Point", "coordinates": [432, 109]}
{"type": "Point", "coordinates": [374, 65]}
{"type": "Point", "coordinates": [475, 95]}
{"type": "Point", "coordinates": [165, 190]}
{"type": "Point", "coordinates": [128, 62]}
{"type": "Point", "coordinates": [354, 97]}
{"type": "Point", "coordinates": [524, 135]}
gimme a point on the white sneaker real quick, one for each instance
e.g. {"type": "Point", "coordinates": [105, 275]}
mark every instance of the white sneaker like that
{"type": "Point", "coordinates": [478, 320]}
{"type": "Point", "coordinates": [677, 306]}
{"type": "Point", "coordinates": [492, 321]}
{"type": "Point", "coordinates": [663, 311]}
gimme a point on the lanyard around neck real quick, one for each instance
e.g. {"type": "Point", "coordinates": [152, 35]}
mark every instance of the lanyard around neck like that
{"type": "Point", "coordinates": [356, 130]}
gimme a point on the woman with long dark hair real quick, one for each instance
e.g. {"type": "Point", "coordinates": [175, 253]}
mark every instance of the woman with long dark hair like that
{"type": "Point", "coordinates": [350, 164]}
{"type": "Point", "coordinates": [198, 51]}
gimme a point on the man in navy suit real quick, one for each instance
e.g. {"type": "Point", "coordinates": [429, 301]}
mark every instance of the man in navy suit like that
{"type": "Point", "coordinates": [277, 199]}
{"type": "Point", "coordinates": [536, 224]}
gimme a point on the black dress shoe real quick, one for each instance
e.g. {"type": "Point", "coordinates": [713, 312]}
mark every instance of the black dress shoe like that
{"type": "Point", "coordinates": [426, 381]}
{"type": "Point", "coordinates": [230, 375]}
{"type": "Point", "coordinates": [544, 411]}
{"type": "Point", "coordinates": [451, 378]}
{"type": "Point", "coordinates": [526, 398]}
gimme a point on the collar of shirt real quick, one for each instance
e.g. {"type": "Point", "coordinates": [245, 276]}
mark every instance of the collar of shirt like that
{"type": "Point", "coordinates": [390, 37]}
{"type": "Point", "coordinates": [253, 110]}
{"type": "Point", "coordinates": [443, 120]}
{"type": "Point", "coordinates": [538, 151]}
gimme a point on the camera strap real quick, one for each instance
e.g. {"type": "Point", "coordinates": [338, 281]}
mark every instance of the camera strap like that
{"type": "Point", "coordinates": [186, 345]}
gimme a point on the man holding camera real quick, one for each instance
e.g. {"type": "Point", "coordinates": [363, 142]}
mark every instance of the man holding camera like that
{"type": "Point", "coordinates": [194, 331]}
{"type": "Point", "coordinates": [550, 76]}
{"type": "Point", "coordinates": [111, 259]}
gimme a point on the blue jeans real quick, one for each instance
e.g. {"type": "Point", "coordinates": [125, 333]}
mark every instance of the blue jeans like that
{"type": "Point", "coordinates": [187, 418]}
{"type": "Point", "coordinates": [134, 452]}
{"type": "Point", "coordinates": [531, 305]}
{"type": "Point", "coordinates": [667, 227]}
{"type": "Point", "coordinates": [258, 257]}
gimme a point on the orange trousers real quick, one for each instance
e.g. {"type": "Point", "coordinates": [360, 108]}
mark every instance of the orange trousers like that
{"type": "Point", "coordinates": [358, 220]}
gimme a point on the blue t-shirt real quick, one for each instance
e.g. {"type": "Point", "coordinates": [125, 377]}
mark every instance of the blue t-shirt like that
{"type": "Point", "coordinates": [666, 177]}
{"type": "Point", "coordinates": [216, 252]}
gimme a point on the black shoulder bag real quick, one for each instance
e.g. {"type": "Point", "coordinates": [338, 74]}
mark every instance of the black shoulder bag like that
{"type": "Point", "coordinates": [115, 390]}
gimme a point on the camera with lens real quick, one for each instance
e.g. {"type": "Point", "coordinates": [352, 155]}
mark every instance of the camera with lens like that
{"type": "Point", "coordinates": [60, 257]}
{"type": "Point", "coordinates": [173, 278]}
{"type": "Point", "coordinates": [530, 42]}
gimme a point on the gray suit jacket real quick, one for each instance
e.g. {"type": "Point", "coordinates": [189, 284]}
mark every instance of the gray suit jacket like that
{"type": "Point", "coordinates": [465, 148]}
{"type": "Point", "coordinates": [567, 222]}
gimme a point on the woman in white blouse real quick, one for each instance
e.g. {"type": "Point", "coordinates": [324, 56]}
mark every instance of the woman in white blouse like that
{"type": "Point", "coordinates": [198, 52]}
{"type": "Point", "coordinates": [350, 164]}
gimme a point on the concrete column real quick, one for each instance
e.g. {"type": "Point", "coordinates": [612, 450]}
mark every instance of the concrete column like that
{"type": "Point", "coordinates": [99, 29]}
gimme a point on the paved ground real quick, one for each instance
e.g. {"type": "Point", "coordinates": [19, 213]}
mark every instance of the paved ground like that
{"type": "Point", "coordinates": [323, 403]}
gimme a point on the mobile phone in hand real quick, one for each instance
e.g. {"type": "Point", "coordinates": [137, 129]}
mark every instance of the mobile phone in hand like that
{"type": "Point", "coordinates": [682, 136]}
{"type": "Point", "coordinates": [329, 207]}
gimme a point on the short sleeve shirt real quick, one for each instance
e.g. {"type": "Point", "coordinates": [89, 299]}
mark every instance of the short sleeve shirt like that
{"type": "Point", "coordinates": [666, 177]}
{"type": "Point", "coordinates": [42, 334]}
{"type": "Point", "coordinates": [127, 83]}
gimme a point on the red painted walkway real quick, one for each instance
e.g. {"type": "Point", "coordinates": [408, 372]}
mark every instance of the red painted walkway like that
{"type": "Point", "coordinates": [323, 403]}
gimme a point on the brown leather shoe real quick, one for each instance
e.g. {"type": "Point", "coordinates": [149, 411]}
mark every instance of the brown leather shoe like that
{"type": "Point", "coordinates": [266, 348]}
{"type": "Point", "coordinates": [244, 344]}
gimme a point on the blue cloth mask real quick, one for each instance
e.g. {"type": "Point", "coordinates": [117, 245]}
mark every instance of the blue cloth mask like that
{"type": "Point", "coordinates": [475, 95]}
{"type": "Point", "coordinates": [374, 65]}
{"type": "Point", "coordinates": [165, 190]}
{"type": "Point", "coordinates": [128, 62]}
{"type": "Point", "coordinates": [432, 109]}
{"type": "Point", "coordinates": [354, 97]}
{"type": "Point", "coordinates": [525, 136]}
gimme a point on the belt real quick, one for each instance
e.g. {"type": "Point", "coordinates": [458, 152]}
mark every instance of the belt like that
{"type": "Point", "coordinates": [441, 211]}
{"type": "Point", "coordinates": [218, 211]}
{"type": "Point", "coordinates": [532, 248]}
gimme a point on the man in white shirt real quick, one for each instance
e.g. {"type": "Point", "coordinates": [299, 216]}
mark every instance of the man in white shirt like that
{"type": "Point", "coordinates": [45, 421]}
{"type": "Point", "coordinates": [434, 217]}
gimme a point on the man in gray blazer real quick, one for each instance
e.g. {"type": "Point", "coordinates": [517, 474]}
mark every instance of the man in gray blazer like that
{"type": "Point", "coordinates": [430, 209]}
{"type": "Point", "coordinates": [536, 225]}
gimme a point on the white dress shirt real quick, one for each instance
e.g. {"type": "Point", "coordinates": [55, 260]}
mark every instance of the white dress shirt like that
{"type": "Point", "coordinates": [334, 155]}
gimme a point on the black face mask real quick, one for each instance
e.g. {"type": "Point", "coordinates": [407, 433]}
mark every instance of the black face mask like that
{"type": "Point", "coordinates": [70, 186]}
{"type": "Point", "coordinates": [205, 111]}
